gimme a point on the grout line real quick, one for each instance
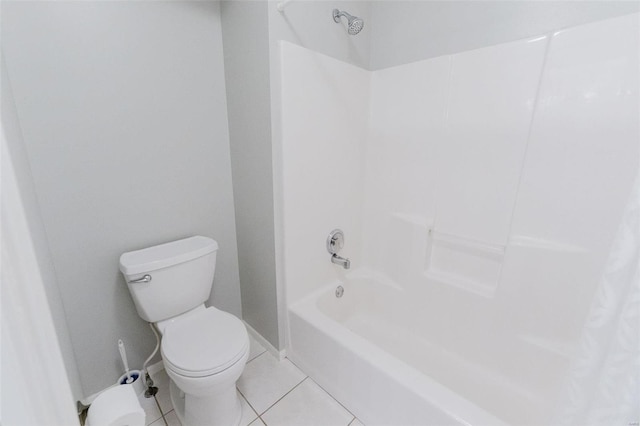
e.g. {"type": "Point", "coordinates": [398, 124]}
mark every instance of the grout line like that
{"type": "Point", "coordinates": [325, 391]}
{"type": "Point", "coordinates": [161, 413]}
{"type": "Point", "coordinates": [155, 419]}
{"type": "Point", "coordinates": [339, 403]}
{"type": "Point", "coordinates": [352, 420]}
{"type": "Point", "coordinates": [250, 406]}
{"type": "Point", "coordinates": [173, 409]}
{"type": "Point", "coordinates": [280, 399]}
{"type": "Point", "coordinates": [256, 356]}
{"type": "Point", "coordinates": [297, 366]}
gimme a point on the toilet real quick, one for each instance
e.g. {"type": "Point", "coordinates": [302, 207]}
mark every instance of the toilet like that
{"type": "Point", "coordinates": [204, 349]}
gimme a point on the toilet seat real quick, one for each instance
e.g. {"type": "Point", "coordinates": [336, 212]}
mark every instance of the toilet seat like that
{"type": "Point", "coordinates": [204, 344]}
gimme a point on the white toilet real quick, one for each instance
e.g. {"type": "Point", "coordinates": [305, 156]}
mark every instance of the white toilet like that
{"type": "Point", "coordinates": [204, 350]}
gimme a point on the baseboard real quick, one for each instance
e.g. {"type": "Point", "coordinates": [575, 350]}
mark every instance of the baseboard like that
{"type": "Point", "coordinates": [154, 368]}
{"type": "Point", "coordinates": [265, 343]}
{"type": "Point", "coordinates": [89, 400]}
{"type": "Point", "coordinates": [159, 366]}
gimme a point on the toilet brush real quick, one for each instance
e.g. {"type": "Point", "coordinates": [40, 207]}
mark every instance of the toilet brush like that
{"type": "Point", "coordinates": [123, 355]}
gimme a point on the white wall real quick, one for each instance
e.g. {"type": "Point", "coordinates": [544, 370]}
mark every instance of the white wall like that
{"type": "Point", "coordinates": [408, 109]}
{"type": "Point", "coordinates": [24, 179]}
{"type": "Point", "coordinates": [30, 351]}
{"type": "Point", "coordinates": [245, 34]}
{"type": "Point", "coordinates": [308, 24]}
{"type": "Point", "coordinates": [324, 121]}
{"type": "Point", "coordinates": [408, 31]}
{"type": "Point", "coordinates": [123, 112]}
{"type": "Point", "coordinates": [495, 182]}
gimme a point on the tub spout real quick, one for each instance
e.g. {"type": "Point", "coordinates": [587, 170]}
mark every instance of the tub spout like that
{"type": "Point", "coordinates": [345, 263]}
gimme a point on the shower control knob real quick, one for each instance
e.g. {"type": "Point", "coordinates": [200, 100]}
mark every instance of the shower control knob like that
{"type": "Point", "coordinates": [335, 241]}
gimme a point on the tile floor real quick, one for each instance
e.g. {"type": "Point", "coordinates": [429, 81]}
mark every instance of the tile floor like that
{"type": "Point", "coordinates": [272, 393]}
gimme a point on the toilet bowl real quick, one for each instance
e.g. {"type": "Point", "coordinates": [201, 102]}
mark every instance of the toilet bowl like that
{"type": "Point", "coordinates": [204, 349]}
{"type": "Point", "coordinates": [204, 355]}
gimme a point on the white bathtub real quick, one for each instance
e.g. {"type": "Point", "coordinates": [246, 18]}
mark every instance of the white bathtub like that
{"type": "Point", "coordinates": [367, 350]}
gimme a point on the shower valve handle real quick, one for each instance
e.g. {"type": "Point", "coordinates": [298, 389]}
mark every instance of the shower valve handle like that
{"type": "Point", "coordinates": [335, 241]}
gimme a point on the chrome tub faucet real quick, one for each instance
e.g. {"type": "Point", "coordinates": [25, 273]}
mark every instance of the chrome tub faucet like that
{"type": "Point", "coordinates": [335, 241]}
{"type": "Point", "coordinates": [345, 263]}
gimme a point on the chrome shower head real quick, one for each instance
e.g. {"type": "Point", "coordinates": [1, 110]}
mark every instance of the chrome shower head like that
{"type": "Point", "coordinates": [354, 24]}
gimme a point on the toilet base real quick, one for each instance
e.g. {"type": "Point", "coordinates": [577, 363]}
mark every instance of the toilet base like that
{"type": "Point", "coordinates": [222, 408]}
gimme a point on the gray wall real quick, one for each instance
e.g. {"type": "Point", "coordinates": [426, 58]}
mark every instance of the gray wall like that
{"type": "Point", "coordinates": [13, 134]}
{"type": "Point", "coordinates": [251, 30]}
{"type": "Point", "coordinates": [408, 31]}
{"type": "Point", "coordinates": [123, 112]}
{"type": "Point", "coordinates": [245, 35]}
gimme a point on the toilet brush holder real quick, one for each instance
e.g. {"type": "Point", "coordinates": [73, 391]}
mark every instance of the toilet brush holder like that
{"type": "Point", "coordinates": [136, 381]}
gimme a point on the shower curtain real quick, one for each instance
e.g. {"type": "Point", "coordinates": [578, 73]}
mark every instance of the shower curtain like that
{"type": "Point", "coordinates": [603, 386]}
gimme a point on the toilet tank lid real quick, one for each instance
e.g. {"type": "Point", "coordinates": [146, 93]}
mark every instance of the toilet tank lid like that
{"type": "Point", "coordinates": [165, 255]}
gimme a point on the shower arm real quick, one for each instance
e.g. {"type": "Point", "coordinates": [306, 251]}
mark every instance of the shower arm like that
{"type": "Point", "coordinates": [337, 14]}
{"type": "Point", "coordinates": [281, 5]}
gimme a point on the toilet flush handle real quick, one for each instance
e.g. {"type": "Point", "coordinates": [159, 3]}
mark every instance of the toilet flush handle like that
{"type": "Point", "coordinates": [145, 279]}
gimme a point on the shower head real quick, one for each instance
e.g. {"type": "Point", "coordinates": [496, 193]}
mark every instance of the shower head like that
{"type": "Point", "coordinates": [354, 24]}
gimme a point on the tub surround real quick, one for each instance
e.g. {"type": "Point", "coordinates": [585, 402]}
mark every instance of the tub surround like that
{"type": "Point", "coordinates": [494, 182]}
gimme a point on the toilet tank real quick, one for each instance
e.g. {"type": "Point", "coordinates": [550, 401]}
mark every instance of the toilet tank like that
{"type": "Point", "coordinates": [180, 276]}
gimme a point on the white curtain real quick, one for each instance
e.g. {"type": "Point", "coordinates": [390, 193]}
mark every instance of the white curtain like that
{"type": "Point", "coordinates": [604, 382]}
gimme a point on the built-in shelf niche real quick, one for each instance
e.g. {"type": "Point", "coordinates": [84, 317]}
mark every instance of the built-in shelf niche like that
{"type": "Point", "coordinates": [471, 265]}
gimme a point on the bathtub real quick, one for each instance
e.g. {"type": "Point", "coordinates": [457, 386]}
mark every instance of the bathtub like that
{"type": "Point", "coordinates": [364, 350]}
